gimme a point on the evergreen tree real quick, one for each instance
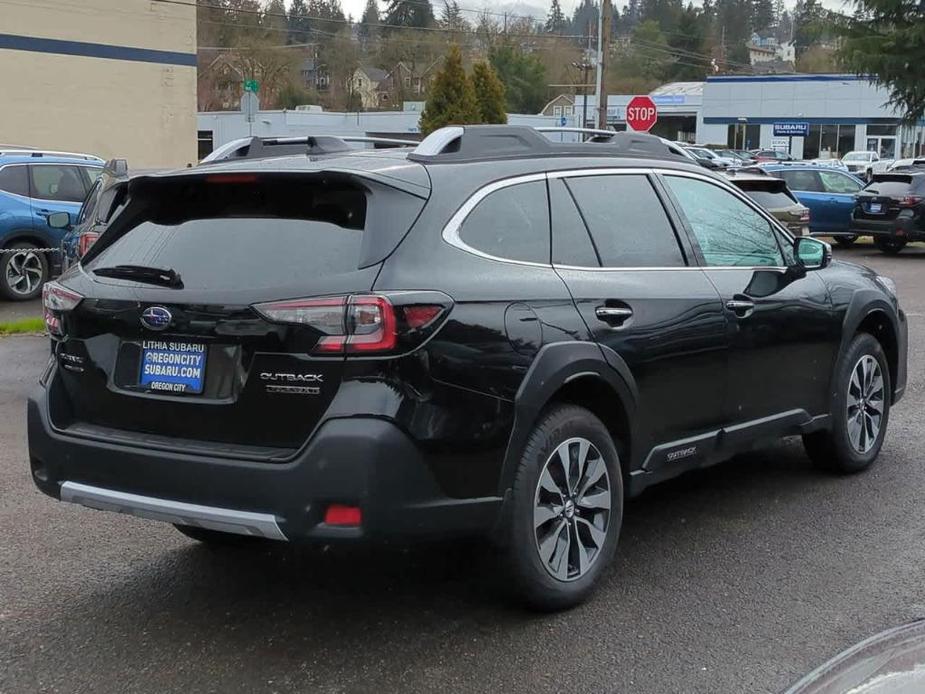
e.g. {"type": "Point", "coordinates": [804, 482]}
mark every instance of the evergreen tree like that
{"type": "Point", "coordinates": [808, 24]}
{"type": "Point", "coordinates": [275, 20]}
{"type": "Point", "coordinates": [299, 23]}
{"type": "Point", "coordinates": [630, 17]}
{"type": "Point", "coordinates": [410, 13]}
{"type": "Point", "coordinates": [489, 93]}
{"type": "Point", "coordinates": [762, 16]}
{"type": "Point", "coordinates": [555, 20]}
{"type": "Point", "coordinates": [689, 38]}
{"type": "Point", "coordinates": [370, 21]}
{"type": "Point", "coordinates": [585, 16]}
{"type": "Point", "coordinates": [886, 38]}
{"type": "Point", "coordinates": [451, 99]}
{"type": "Point", "coordinates": [451, 16]}
{"type": "Point", "coordinates": [779, 9]}
{"type": "Point", "coordinates": [523, 76]}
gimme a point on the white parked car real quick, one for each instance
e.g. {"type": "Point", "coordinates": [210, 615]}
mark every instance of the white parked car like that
{"type": "Point", "coordinates": [704, 153]}
{"type": "Point", "coordinates": [905, 163]}
{"type": "Point", "coordinates": [865, 164]}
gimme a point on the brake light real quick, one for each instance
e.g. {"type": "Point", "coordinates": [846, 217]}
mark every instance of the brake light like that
{"type": "Point", "coordinates": [910, 200]}
{"type": "Point", "coordinates": [231, 178]}
{"type": "Point", "coordinates": [84, 241]}
{"type": "Point", "coordinates": [56, 300]}
{"type": "Point", "coordinates": [804, 215]}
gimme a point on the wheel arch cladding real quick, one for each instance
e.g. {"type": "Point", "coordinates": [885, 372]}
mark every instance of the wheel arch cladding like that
{"type": "Point", "coordinates": [577, 373]}
{"type": "Point", "coordinates": [878, 324]}
{"type": "Point", "coordinates": [870, 313]}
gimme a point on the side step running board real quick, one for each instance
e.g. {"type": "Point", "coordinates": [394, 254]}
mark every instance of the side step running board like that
{"type": "Point", "coordinates": [179, 512]}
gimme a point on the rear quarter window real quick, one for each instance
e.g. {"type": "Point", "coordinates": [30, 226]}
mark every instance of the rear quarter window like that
{"type": "Point", "coordinates": [511, 223]}
{"type": "Point", "coordinates": [15, 179]}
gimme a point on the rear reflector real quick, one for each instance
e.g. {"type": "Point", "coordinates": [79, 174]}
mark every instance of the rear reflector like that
{"type": "Point", "coordinates": [337, 514]}
{"type": "Point", "coordinates": [420, 316]}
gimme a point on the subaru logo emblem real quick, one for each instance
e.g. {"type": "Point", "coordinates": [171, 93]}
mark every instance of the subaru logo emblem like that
{"type": "Point", "coordinates": [156, 317]}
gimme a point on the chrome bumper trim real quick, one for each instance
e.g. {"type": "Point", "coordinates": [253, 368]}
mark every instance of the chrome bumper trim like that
{"type": "Point", "coordinates": [179, 512]}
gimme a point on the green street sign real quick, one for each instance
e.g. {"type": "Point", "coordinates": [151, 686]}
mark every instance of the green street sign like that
{"type": "Point", "coordinates": [251, 86]}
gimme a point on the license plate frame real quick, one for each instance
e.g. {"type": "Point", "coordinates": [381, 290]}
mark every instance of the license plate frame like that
{"type": "Point", "coordinates": [172, 367]}
{"type": "Point", "coordinates": [875, 208]}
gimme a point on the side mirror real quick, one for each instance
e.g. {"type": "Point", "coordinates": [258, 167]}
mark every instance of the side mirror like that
{"type": "Point", "coordinates": [811, 253]}
{"type": "Point", "coordinates": [59, 220]}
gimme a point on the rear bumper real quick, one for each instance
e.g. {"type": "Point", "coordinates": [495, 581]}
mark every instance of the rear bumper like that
{"type": "Point", "coordinates": [362, 462]}
{"type": "Point", "coordinates": [900, 227]}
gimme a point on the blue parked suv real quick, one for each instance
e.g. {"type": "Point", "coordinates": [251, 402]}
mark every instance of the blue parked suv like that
{"type": "Point", "coordinates": [827, 192]}
{"type": "Point", "coordinates": [33, 185]}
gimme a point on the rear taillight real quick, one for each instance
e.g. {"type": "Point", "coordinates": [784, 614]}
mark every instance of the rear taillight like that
{"type": "Point", "coordinates": [910, 200]}
{"type": "Point", "coordinates": [356, 324]}
{"type": "Point", "coordinates": [84, 241]}
{"type": "Point", "coordinates": [804, 215]}
{"type": "Point", "coordinates": [55, 301]}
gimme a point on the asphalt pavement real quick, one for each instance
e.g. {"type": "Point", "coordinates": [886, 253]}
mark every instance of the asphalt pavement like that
{"type": "Point", "coordinates": [739, 578]}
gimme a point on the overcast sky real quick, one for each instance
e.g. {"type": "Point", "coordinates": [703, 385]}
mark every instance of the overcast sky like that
{"type": "Point", "coordinates": [355, 7]}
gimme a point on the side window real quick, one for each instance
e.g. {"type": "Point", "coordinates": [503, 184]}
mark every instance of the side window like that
{"type": "Point", "coordinates": [838, 183]}
{"type": "Point", "coordinates": [13, 179]}
{"type": "Point", "coordinates": [89, 206]}
{"type": "Point", "coordinates": [512, 223]}
{"type": "Point", "coordinates": [91, 173]}
{"type": "Point", "coordinates": [628, 225]}
{"type": "Point", "coordinates": [571, 244]}
{"type": "Point", "coordinates": [806, 181]}
{"type": "Point", "coordinates": [57, 182]}
{"type": "Point", "coordinates": [728, 231]}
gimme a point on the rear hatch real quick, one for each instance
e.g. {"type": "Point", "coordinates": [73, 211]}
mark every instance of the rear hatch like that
{"type": "Point", "coordinates": [211, 312]}
{"type": "Point", "coordinates": [884, 198]}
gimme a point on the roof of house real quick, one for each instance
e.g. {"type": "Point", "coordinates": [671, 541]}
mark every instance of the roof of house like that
{"type": "Point", "coordinates": [375, 74]}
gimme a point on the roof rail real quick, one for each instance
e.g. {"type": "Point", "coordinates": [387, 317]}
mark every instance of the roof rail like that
{"type": "Point", "coordinates": [597, 134]}
{"type": "Point", "coordinates": [487, 142]}
{"type": "Point", "coordinates": [261, 147]}
{"type": "Point", "coordinates": [49, 152]}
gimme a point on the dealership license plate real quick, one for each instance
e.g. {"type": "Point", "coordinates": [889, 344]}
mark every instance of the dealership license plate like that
{"type": "Point", "coordinates": [876, 207]}
{"type": "Point", "coordinates": [172, 367]}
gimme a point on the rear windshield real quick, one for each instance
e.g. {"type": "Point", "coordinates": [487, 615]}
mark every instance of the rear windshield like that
{"type": "Point", "coordinates": [892, 184]}
{"type": "Point", "coordinates": [273, 230]}
{"type": "Point", "coordinates": [772, 195]}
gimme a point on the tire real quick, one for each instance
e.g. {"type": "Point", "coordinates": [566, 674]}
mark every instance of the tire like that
{"type": "Point", "coordinates": [217, 538]}
{"type": "Point", "coordinates": [845, 448]}
{"type": "Point", "coordinates": [889, 244]}
{"type": "Point", "coordinates": [845, 241]}
{"type": "Point", "coordinates": [22, 272]}
{"type": "Point", "coordinates": [542, 568]}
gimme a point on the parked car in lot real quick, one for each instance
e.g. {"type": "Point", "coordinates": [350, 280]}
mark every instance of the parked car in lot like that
{"type": "Point", "coordinates": [33, 185]}
{"type": "Point", "coordinates": [828, 193]}
{"type": "Point", "coordinates": [772, 194]}
{"type": "Point", "coordinates": [891, 208]}
{"type": "Point", "coordinates": [492, 334]}
{"type": "Point", "coordinates": [708, 158]}
{"type": "Point", "coordinates": [905, 164]}
{"type": "Point", "coordinates": [865, 164]}
{"type": "Point", "coordinates": [773, 155]}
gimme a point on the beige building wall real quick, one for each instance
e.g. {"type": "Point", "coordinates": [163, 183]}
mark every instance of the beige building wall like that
{"type": "Point", "coordinates": [118, 101]}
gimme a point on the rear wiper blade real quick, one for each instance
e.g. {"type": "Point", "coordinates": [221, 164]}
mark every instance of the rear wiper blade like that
{"type": "Point", "coordinates": [140, 273]}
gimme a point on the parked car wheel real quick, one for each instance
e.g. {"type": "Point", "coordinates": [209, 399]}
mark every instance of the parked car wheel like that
{"type": "Point", "coordinates": [889, 245]}
{"type": "Point", "coordinates": [860, 410]}
{"type": "Point", "coordinates": [23, 271]}
{"type": "Point", "coordinates": [563, 523]}
{"type": "Point", "coordinates": [846, 241]}
{"type": "Point", "coordinates": [219, 539]}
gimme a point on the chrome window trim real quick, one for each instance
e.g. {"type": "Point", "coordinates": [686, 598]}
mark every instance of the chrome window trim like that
{"type": "Point", "coordinates": [451, 236]}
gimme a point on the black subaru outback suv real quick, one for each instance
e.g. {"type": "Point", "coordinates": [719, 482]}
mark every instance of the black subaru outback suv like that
{"type": "Point", "coordinates": [489, 334]}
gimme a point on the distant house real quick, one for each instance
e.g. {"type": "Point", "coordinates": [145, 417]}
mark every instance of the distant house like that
{"type": "Point", "coordinates": [369, 85]}
{"type": "Point", "coordinates": [769, 50]}
{"type": "Point", "coordinates": [315, 75]}
{"type": "Point", "coordinates": [409, 80]}
{"type": "Point", "coordinates": [221, 83]}
{"type": "Point", "coordinates": [562, 106]}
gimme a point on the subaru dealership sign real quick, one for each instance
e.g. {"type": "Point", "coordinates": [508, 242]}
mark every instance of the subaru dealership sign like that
{"type": "Point", "coordinates": [790, 129]}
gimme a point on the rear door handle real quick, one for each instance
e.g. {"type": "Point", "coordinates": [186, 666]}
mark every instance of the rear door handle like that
{"type": "Point", "coordinates": [614, 316]}
{"type": "Point", "coordinates": [741, 307]}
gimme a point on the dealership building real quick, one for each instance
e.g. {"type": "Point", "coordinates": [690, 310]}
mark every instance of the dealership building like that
{"type": "Point", "coordinates": [114, 78]}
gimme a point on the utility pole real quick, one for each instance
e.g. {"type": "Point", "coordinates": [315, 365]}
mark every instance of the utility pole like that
{"type": "Point", "coordinates": [603, 48]}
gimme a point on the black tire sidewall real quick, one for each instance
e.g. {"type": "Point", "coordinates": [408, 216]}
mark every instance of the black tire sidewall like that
{"type": "Point", "coordinates": [845, 241]}
{"type": "Point", "coordinates": [533, 584]}
{"type": "Point", "coordinates": [889, 245]}
{"type": "Point", "coordinates": [6, 291]}
{"type": "Point", "coordinates": [846, 457]}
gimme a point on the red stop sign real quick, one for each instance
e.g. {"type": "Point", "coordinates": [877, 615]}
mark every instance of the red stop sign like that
{"type": "Point", "coordinates": [641, 113]}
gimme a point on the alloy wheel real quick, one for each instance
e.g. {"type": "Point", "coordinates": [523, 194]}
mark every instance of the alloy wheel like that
{"type": "Point", "coordinates": [865, 403]}
{"type": "Point", "coordinates": [571, 513]}
{"type": "Point", "coordinates": [24, 272]}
